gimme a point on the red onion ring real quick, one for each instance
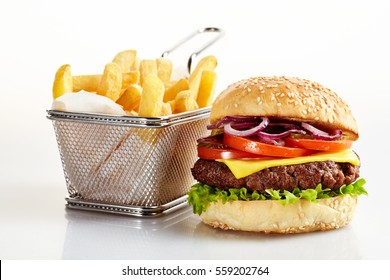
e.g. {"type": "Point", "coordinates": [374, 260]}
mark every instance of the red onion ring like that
{"type": "Point", "coordinates": [320, 134]}
{"type": "Point", "coordinates": [236, 119]}
{"type": "Point", "coordinates": [280, 135]}
{"type": "Point", "coordinates": [243, 125]}
{"type": "Point", "coordinates": [249, 132]}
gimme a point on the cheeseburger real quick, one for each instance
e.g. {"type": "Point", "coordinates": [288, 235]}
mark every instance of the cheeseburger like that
{"type": "Point", "coordinates": [279, 159]}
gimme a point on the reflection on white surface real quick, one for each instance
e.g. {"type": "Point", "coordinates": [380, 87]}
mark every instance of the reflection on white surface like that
{"type": "Point", "coordinates": [181, 235]}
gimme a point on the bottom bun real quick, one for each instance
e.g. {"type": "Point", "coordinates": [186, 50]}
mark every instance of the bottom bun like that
{"type": "Point", "coordinates": [271, 216]}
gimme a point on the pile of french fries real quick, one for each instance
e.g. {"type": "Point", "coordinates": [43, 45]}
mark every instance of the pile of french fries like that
{"type": "Point", "coordinates": [144, 87]}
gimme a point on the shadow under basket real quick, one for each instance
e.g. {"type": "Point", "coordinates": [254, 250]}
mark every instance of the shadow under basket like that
{"type": "Point", "coordinates": [128, 165]}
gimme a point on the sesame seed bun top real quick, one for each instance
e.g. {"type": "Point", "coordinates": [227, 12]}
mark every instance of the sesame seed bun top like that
{"type": "Point", "coordinates": [286, 98]}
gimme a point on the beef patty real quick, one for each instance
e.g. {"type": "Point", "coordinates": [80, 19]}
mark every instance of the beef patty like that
{"type": "Point", "coordinates": [304, 176]}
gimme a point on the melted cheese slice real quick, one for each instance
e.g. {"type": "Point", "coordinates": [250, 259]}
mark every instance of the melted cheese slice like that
{"type": "Point", "coordinates": [245, 167]}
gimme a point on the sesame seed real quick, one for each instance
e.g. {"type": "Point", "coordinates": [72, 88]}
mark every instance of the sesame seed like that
{"type": "Point", "coordinates": [304, 112]}
{"type": "Point", "coordinates": [261, 87]}
{"type": "Point", "coordinates": [235, 105]}
{"type": "Point", "coordinates": [279, 104]}
{"type": "Point", "coordinates": [249, 89]}
{"type": "Point", "coordinates": [258, 99]}
{"type": "Point", "coordinates": [272, 98]}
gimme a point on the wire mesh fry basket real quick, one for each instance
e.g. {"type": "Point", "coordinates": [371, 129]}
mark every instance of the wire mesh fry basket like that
{"type": "Point", "coordinates": [128, 164]}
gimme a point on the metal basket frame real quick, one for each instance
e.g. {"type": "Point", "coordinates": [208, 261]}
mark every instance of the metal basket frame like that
{"type": "Point", "coordinates": [125, 164]}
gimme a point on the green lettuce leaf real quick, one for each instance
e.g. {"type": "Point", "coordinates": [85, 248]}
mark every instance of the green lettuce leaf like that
{"type": "Point", "coordinates": [201, 195]}
{"type": "Point", "coordinates": [289, 198]}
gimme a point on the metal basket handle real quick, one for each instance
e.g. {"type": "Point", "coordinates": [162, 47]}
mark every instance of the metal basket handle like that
{"type": "Point", "coordinates": [219, 33]}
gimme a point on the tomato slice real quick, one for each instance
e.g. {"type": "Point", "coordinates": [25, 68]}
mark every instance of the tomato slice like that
{"type": "Point", "coordinates": [213, 153]}
{"type": "Point", "coordinates": [319, 145]}
{"type": "Point", "coordinates": [256, 147]}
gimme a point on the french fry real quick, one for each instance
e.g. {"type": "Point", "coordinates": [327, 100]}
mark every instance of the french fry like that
{"type": "Point", "coordinates": [130, 98]}
{"type": "Point", "coordinates": [136, 64]}
{"type": "Point", "coordinates": [169, 84]}
{"type": "Point", "coordinates": [63, 81]}
{"type": "Point", "coordinates": [207, 63]}
{"type": "Point", "coordinates": [164, 69]}
{"type": "Point", "coordinates": [111, 82]}
{"type": "Point", "coordinates": [166, 109]}
{"type": "Point", "coordinates": [125, 59]}
{"type": "Point", "coordinates": [206, 88]}
{"type": "Point", "coordinates": [172, 91]}
{"type": "Point", "coordinates": [91, 82]}
{"type": "Point", "coordinates": [131, 113]}
{"type": "Point", "coordinates": [129, 78]}
{"type": "Point", "coordinates": [172, 104]}
{"type": "Point", "coordinates": [144, 87]}
{"type": "Point", "coordinates": [185, 101]}
{"type": "Point", "coordinates": [86, 82]}
{"type": "Point", "coordinates": [152, 97]}
{"type": "Point", "coordinates": [147, 67]}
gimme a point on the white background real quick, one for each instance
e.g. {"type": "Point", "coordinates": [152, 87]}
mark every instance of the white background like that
{"type": "Point", "coordinates": [343, 45]}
